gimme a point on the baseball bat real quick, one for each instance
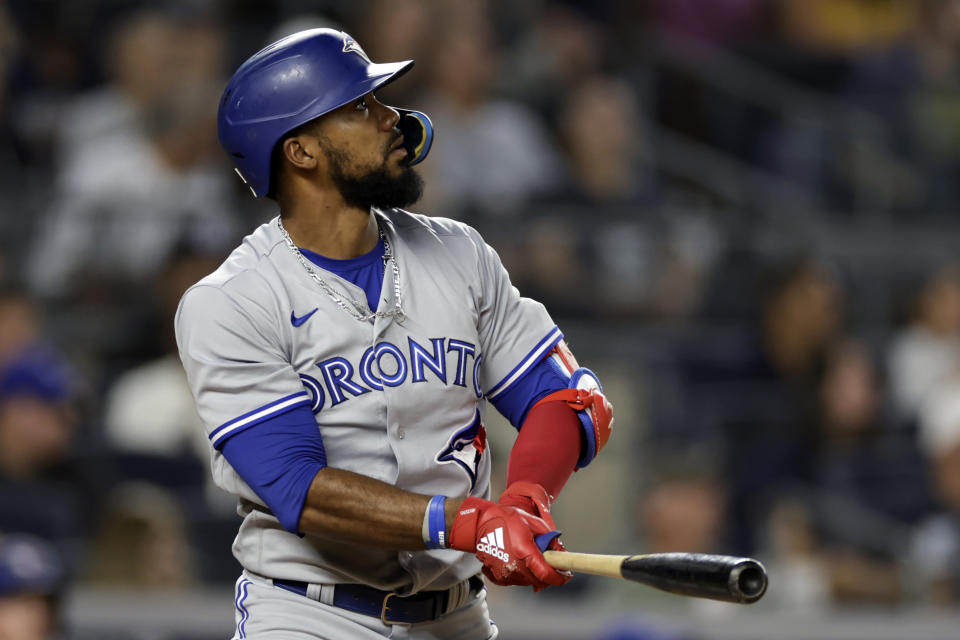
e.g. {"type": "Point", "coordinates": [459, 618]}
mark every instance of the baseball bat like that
{"type": "Point", "coordinates": [699, 575]}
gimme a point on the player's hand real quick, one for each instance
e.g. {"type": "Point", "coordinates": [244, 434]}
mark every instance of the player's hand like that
{"type": "Point", "coordinates": [508, 541]}
{"type": "Point", "coordinates": [530, 497]}
{"type": "Point", "coordinates": [535, 500]}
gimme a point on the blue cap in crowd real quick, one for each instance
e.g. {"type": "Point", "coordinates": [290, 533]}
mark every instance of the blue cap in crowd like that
{"type": "Point", "coordinates": [28, 565]}
{"type": "Point", "coordinates": [38, 372]}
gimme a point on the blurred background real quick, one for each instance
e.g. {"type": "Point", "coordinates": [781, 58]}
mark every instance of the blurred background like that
{"type": "Point", "coordinates": [742, 213]}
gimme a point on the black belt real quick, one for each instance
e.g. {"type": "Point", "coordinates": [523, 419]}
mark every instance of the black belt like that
{"type": "Point", "coordinates": [386, 605]}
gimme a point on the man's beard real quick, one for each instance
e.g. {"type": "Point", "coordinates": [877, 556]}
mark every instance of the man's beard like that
{"type": "Point", "coordinates": [376, 188]}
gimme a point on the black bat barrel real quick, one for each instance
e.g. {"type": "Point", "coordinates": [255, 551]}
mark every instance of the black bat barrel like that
{"type": "Point", "coordinates": [726, 578]}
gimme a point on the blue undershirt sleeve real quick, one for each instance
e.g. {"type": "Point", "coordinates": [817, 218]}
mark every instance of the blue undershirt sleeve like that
{"type": "Point", "coordinates": [540, 380]}
{"type": "Point", "coordinates": [279, 458]}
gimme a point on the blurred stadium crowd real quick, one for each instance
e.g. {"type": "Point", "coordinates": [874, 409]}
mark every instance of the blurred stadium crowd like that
{"type": "Point", "coordinates": [750, 206]}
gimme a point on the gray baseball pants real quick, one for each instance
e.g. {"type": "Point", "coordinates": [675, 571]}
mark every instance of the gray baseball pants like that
{"type": "Point", "coordinates": [266, 612]}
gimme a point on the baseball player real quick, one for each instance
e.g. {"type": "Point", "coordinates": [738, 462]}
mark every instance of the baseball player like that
{"type": "Point", "coordinates": [341, 358]}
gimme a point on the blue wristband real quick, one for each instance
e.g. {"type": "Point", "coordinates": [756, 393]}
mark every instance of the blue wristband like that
{"type": "Point", "coordinates": [437, 522]}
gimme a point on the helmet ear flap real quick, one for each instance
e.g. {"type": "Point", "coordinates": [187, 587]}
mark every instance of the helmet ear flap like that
{"type": "Point", "coordinates": [417, 133]}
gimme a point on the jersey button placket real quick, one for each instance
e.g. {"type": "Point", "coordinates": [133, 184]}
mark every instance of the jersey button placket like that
{"type": "Point", "coordinates": [381, 327]}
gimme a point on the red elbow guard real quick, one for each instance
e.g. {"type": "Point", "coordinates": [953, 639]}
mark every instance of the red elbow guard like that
{"type": "Point", "coordinates": [585, 396]}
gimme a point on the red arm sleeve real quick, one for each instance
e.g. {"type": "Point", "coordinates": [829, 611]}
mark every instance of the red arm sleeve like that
{"type": "Point", "coordinates": [547, 448]}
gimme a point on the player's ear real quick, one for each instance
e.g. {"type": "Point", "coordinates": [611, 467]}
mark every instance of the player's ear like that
{"type": "Point", "coordinates": [302, 151]}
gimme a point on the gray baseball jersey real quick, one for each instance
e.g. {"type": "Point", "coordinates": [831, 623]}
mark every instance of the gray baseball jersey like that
{"type": "Point", "coordinates": [402, 402]}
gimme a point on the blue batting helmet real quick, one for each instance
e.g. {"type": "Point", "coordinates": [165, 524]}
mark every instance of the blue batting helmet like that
{"type": "Point", "coordinates": [293, 81]}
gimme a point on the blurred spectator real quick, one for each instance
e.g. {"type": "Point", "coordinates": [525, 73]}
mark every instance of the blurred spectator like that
{"type": "Point", "coordinates": [936, 546]}
{"type": "Point", "coordinates": [864, 480]}
{"type": "Point", "coordinates": [827, 530]}
{"type": "Point", "coordinates": [684, 508]}
{"type": "Point", "coordinates": [637, 264]}
{"type": "Point", "coordinates": [36, 420]}
{"type": "Point", "coordinates": [606, 142]}
{"type": "Point", "coordinates": [596, 227]}
{"type": "Point", "coordinates": [56, 65]}
{"type": "Point", "coordinates": [44, 488]}
{"type": "Point", "coordinates": [849, 394]}
{"type": "Point", "coordinates": [933, 105]}
{"type": "Point", "coordinates": [402, 37]}
{"type": "Point", "coordinates": [927, 350]}
{"type": "Point", "coordinates": [855, 51]}
{"type": "Point", "coordinates": [151, 56]}
{"type": "Point", "coordinates": [149, 410]}
{"type": "Point", "coordinates": [547, 261]}
{"type": "Point", "coordinates": [791, 549]}
{"type": "Point", "coordinates": [757, 391]}
{"type": "Point", "coordinates": [141, 167]}
{"type": "Point", "coordinates": [20, 321]}
{"type": "Point", "coordinates": [556, 50]}
{"type": "Point", "coordinates": [490, 155]}
{"type": "Point", "coordinates": [141, 541]}
{"type": "Point", "coordinates": [937, 39]}
{"type": "Point", "coordinates": [32, 578]}
{"type": "Point", "coordinates": [408, 34]}
{"type": "Point", "coordinates": [802, 305]}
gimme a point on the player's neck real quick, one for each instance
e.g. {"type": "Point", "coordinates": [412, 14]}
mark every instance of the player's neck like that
{"type": "Point", "coordinates": [341, 234]}
{"type": "Point", "coordinates": [325, 224]}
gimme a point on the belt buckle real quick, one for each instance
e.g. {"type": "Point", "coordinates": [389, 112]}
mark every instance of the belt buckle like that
{"type": "Point", "coordinates": [386, 607]}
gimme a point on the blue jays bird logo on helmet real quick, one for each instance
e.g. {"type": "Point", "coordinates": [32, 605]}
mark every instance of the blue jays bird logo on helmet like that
{"type": "Point", "coordinates": [465, 448]}
{"type": "Point", "coordinates": [351, 46]}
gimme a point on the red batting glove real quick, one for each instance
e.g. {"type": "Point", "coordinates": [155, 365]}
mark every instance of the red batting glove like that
{"type": "Point", "coordinates": [505, 540]}
{"type": "Point", "coordinates": [535, 500]}
{"type": "Point", "coordinates": [530, 497]}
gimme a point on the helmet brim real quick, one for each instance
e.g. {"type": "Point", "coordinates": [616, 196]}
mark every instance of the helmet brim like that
{"type": "Point", "coordinates": [379, 76]}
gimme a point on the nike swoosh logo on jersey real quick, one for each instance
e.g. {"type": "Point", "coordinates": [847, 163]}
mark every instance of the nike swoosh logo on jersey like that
{"type": "Point", "coordinates": [295, 321]}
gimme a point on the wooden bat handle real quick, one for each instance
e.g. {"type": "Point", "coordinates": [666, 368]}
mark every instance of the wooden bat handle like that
{"type": "Point", "coordinates": [595, 563]}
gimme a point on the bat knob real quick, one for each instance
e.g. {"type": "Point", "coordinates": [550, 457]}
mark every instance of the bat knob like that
{"type": "Point", "coordinates": [748, 581]}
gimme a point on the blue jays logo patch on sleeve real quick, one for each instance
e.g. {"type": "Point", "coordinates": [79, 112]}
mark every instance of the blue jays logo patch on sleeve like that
{"type": "Point", "coordinates": [465, 448]}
